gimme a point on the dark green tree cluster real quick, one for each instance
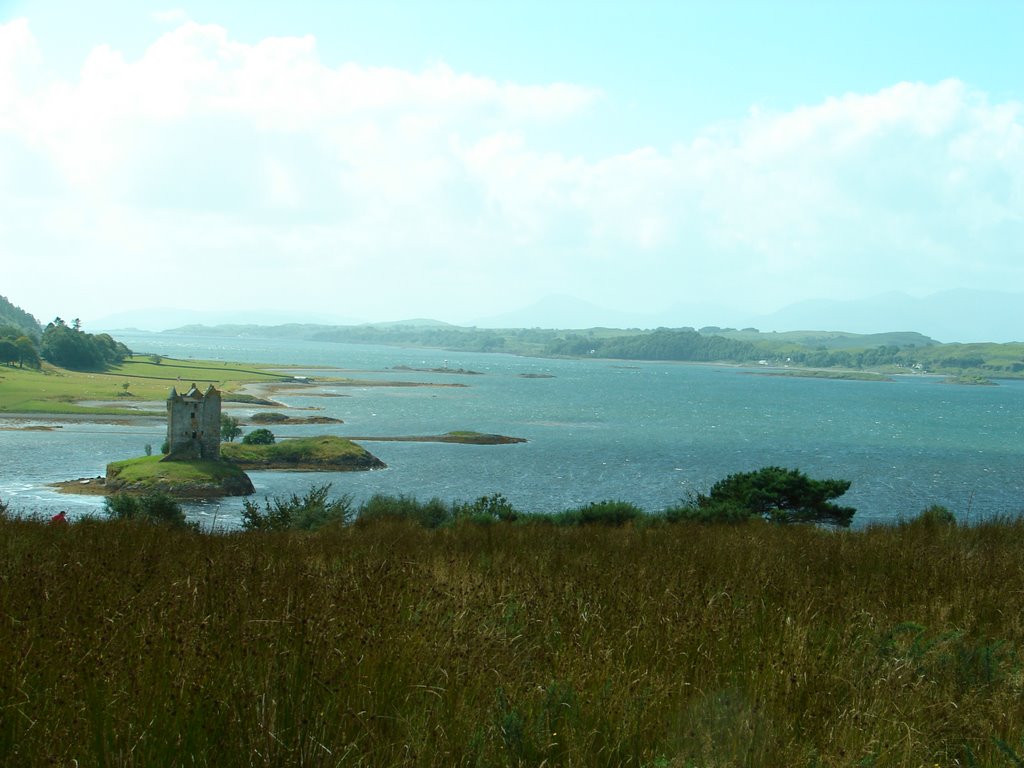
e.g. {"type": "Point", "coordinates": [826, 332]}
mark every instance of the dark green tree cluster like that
{"type": "Point", "coordinates": [19, 336]}
{"type": "Point", "coordinates": [260, 436]}
{"type": "Point", "coordinates": [17, 348]}
{"type": "Point", "coordinates": [68, 346]}
{"type": "Point", "coordinates": [775, 494]}
{"type": "Point", "coordinates": [662, 344]}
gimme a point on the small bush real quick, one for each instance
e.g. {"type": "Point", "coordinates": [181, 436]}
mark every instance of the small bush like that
{"type": "Point", "coordinates": [486, 509]}
{"type": "Point", "coordinates": [935, 516]}
{"type": "Point", "coordinates": [718, 512]}
{"type": "Point", "coordinates": [306, 513]}
{"type": "Point", "coordinates": [259, 437]}
{"type": "Point", "coordinates": [430, 514]}
{"type": "Point", "coordinates": [156, 507]}
{"type": "Point", "coordinates": [608, 512]}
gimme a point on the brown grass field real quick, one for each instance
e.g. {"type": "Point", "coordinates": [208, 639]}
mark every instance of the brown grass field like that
{"type": "Point", "coordinates": [386, 644]}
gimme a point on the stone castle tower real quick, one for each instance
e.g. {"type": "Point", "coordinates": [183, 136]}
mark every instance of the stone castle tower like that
{"type": "Point", "coordinates": [193, 425]}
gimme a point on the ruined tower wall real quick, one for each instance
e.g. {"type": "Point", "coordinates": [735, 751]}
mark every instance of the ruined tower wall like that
{"type": "Point", "coordinates": [193, 425]}
{"type": "Point", "coordinates": [210, 424]}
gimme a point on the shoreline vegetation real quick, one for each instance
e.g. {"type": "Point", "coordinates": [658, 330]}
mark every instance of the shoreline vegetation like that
{"type": "Point", "coordinates": [385, 643]}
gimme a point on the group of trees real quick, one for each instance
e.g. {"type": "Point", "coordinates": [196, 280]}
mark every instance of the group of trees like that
{"type": "Point", "coordinates": [63, 345]}
{"type": "Point", "coordinates": [662, 344]}
{"type": "Point", "coordinates": [17, 348]}
{"type": "Point", "coordinates": [19, 336]}
{"type": "Point", "coordinates": [68, 346]}
{"type": "Point", "coordinates": [231, 430]}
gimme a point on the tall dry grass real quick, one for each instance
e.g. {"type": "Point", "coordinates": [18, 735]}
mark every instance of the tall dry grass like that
{"type": "Point", "coordinates": [386, 644]}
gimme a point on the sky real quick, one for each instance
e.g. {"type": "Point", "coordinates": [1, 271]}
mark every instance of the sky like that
{"type": "Point", "coordinates": [457, 160]}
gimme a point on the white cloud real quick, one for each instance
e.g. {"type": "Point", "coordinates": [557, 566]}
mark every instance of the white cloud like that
{"type": "Point", "coordinates": [261, 159]}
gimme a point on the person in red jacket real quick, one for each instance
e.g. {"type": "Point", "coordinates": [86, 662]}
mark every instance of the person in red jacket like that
{"type": "Point", "coordinates": [61, 518]}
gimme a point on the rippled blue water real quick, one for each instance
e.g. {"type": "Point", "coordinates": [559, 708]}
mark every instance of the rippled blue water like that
{"type": "Point", "coordinates": [650, 433]}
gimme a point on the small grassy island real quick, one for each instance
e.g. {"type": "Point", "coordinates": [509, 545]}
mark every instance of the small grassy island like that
{"type": "Point", "coordinates": [463, 437]}
{"type": "Point", "coordinates": [969, 380]}
{"type": "Point", "coordinates": [227, 477]}
{"type": "Point", "coordinates": [196, 479]}
{"type": "Point", "coordinates": [812, 373]}
{"type": "Point", "coordinates": [181, 479]}
{"type": "Point", "coordinates": [323, 452]}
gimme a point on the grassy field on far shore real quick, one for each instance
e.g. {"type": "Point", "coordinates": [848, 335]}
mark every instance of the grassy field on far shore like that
{"type": "Point", "coordinates": [59, 391]}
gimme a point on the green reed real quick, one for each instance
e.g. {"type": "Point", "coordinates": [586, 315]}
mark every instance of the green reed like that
{"type": "Point", "coordinates": [388, 644]}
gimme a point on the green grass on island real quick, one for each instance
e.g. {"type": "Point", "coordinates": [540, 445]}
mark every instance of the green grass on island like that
{"type": "Point", "coordinates": [179, 478]}
{"type": "Point", "coordinates": [321, 452]}
{"type": "Point", "coordinates": [386, 644]}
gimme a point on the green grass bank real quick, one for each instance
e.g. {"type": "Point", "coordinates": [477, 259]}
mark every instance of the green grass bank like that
{"type": "Point", "coordinates": [388, 644]}
{"type": "Point", "coordinates": [141, 378]}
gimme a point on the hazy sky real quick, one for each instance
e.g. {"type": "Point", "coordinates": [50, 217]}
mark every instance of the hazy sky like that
{"type": "Point", "coordinates": [384, 160]}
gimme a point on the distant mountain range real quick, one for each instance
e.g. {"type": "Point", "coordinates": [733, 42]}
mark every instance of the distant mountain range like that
{"type": "Point", "coordinates": [165, 318]}
{"type": "Point", "coordinates": [950, 316]}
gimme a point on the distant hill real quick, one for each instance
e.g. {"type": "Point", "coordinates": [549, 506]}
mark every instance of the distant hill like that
{"type": "Point", "coordinates": [165, 318]}
{"type": "Point", "coordinates": [561, 311]}
{"type": "Point", "coordinates": [835, 339]}
{"type": "Point", "coordinates": [19, 318]}
{"type": "Point", "coordinates": [417, 322]}
{"type": "Point", "coordinates": [960, 315]}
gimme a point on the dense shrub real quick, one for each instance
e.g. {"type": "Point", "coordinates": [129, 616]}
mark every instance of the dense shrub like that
{"type": "Point", "coordinates": [307, 513]}
{"type": "Point", "coordinates": [935, 516]}
{"type": "Point", "coordinates": [486, 509]}
{"type": "Point", "coordinates": [430, 514]}
{"type": "Point", "coordinates": [610, 513]}
{"type": "Point", "coordinates": [155, 507]}
{"type": "Point", "coordinates": [259, 437]}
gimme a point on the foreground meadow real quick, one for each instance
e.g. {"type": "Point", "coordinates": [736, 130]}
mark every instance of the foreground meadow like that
{"type": "Point", "coordinates": [387, 644]}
